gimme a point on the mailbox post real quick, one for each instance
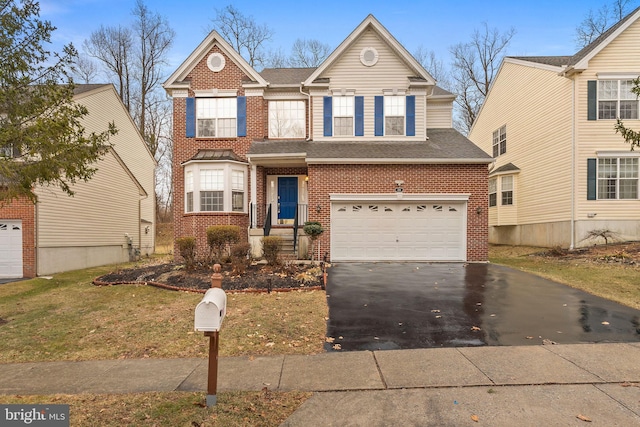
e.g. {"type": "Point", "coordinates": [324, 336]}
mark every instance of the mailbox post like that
{"type": "Point", "coordinates": [208, 318]}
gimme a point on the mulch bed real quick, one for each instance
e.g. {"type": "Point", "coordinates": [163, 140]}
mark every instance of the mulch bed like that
{"type": "Point", "coordinates": [257, 278]}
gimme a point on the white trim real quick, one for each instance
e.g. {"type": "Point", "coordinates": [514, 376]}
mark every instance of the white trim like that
{"type": "Point", "coordinates": [617, 76]}
{"type": "Point", "coordinates": [254, 92]}
{"type": "Point", "coordinates": [285, 96]}
{"type": "Point", "coordinates": [613, 153]}
{"type": "Point", "coordinates": [188, 162]}
{"type": "Point", "coordinates": [180, 93]}
{"type": "Point", "coordinates": [414, 197]}
{"type": "Point", "coordinates": [218, 93]}
{"type": "Point", "coordinates": [531, 64]}
{"type": "Point", "coordinates": [219, 67]}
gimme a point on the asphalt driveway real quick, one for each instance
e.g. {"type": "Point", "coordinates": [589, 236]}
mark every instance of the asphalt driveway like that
{"type": "Point", "coordinates": [378, 306]}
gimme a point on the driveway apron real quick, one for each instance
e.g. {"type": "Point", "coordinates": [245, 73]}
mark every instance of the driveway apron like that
{"type": "Point", "coordinates": [379, 306]}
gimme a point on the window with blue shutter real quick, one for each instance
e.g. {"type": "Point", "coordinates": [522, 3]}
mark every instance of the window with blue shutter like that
{"type": "Point", "coordinates": [191, 118]}
{"type": "Point", "coordinates": [328, 115]}
{"type": "Point", "coordinates": [379, 115]}
{"type": "Point", "coordinates": [592, 100]}
{"type": "Point", "coordinates": [591, 179]}
{"type": "Point", "coordinates": [242, 116]}
{"type": "Point", "coordinates": [359, 115]}
{"type": "Point", "coordinates": [411, 116]}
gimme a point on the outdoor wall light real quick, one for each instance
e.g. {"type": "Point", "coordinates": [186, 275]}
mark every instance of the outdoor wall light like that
{"type": "Point", "coordinates": [318, 209]}
{"type": "Point", "coordinates": [478, 210]}
{"type": "Point", "coordinates": [306, 178]}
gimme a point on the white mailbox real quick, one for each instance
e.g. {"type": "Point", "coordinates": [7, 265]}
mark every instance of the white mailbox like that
{"type": "Point", "coordinates": [211, 310]}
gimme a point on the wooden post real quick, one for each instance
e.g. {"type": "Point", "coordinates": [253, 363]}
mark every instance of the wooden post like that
{"type": "Point", "coordinates": [216, 277]}
{"type": "Point", "coordinates": [212, 383]}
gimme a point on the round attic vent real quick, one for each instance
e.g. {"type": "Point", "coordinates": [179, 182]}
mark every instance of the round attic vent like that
{"type": "Point", "coordinates": [369, 56]}
{"type": "Point", "coordinates": [215, 62]}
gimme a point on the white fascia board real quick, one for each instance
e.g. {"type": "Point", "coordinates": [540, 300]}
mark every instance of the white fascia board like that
{"type": "Point", "coordinates": [347, 161]}
{"type": "Point", "coordinates": [408, 197]}
{"type": "Point", "coordinates": [188, 162]}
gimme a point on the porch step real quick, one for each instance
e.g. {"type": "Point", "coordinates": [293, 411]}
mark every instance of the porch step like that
{"type": "Point", "coordinates": [286, 234]}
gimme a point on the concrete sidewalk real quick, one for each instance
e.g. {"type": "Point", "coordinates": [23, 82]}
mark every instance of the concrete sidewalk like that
{"type": "Point", "coordinates": [527, 385]}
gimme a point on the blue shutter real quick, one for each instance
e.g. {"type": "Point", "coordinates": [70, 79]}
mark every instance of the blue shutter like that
{"type": "Point", "coordinates": [592, 100]}
{"type": "Point", "coordinates": [242, 116]}
{"type": "Point", "coordinates": [328, 115]}
{"type": "Point", "coordinates": [379, 115]}
{"type": "Point", "coordinates": [359, 115]}
{"type": "Point", "coordinates": [191, 118]}
{"type": "Point", "coordinates": [411, 115]}
{"type": "Point", "coordinates": [591, 179]}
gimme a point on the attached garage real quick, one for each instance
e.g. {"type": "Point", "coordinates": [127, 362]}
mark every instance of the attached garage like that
{"type": "Point", "coordinates": [10, 248]}
{"type": "Point", "coordinates": [395, 229]}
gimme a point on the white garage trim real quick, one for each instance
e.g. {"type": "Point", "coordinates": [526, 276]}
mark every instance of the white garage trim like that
{"type": "Point", "coordinates": [399, 196]}
{"type": "Point", "coordinates": [385, 228]}
{"type": "Point", "coordinates": [10, 248]}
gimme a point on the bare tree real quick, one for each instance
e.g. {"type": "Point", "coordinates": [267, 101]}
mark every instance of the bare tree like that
{"type": "Point", "coordinates": [597, 22]}
{"type": "Point", "coordinates": [246, 36]}
{"type": "Point", "coordinates": [308, 53]}
{"type": "Point", "coordinates": [475, 65]}
{"type": "Point", "coordinates": [276, 59]}
{"type": "Point", "coordinates": [435, 67]}
{"type": "Point", "coordinates": [84, 69]}
{"type": "Point", "coordinates": [155, 38]}
{"type": "Point", "coordinates": [113, 47]}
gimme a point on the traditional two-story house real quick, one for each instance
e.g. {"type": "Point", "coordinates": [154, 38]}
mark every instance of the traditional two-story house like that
{"type": "Point", "coordinates": [110, 218]}
{"type": "Point", "coordinates": [561, 172]}
{"type": "Point", "coordinates": [363, 144]}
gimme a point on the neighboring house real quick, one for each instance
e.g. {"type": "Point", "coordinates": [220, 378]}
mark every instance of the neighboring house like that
{"type": "Point", "coordinates": [109, 219]}
{"type": "Point", "coordinates": [362, 144]}
{"type": "Point", "coordinates": [561, 171]}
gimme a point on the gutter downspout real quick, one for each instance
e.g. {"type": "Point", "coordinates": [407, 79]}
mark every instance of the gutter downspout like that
{"type": "Point", "coordinates": [573, 164]}
{"type": "Point", "coordinates": [308, 95]}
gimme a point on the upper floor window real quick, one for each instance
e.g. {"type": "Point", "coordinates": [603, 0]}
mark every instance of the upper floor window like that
{"type": "Point", "coordinates": [287, 119]}
{"type": "Point", "coordinates": [343, 108]}
{"type": "Point", "coordinates": [506, 188]}
{"type": "Point", "coordinates": [217, 186]}
{"type": "Point", "coordinates": [493, 192]}
{"type": "Point", "coordinates": [616, 100]}
{"type": "Point", "coordinates": [618, 178]}
{"type": "Point", "coordinates": [216, 117]}
{"type": "Point", "coordinates": [499, 141]}
{"type": "Point", "coordinates": [394, 114]}
{"type": "Point", "coordinates": [9, 151]}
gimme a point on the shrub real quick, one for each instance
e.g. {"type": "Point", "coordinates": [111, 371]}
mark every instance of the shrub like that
{"type": "Point", "coordinates": [271, 247]}
{"type": "Point", "coordinates": [187, 250]}
{"type": "Point", "coordinates": [220, 238]}
{"type": "Point", "coordinates": [240, 258]}
{"type": "Point", "coordinates": [313, 229]}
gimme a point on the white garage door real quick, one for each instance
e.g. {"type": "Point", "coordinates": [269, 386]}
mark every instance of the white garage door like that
{"type": "Point", "coordinates": [413, 231]}
{"type": "Point", "coordinates": [10, 248]}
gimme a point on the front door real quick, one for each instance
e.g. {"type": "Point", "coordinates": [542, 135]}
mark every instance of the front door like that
{"type": "Point", "coordinates": [287, 199]}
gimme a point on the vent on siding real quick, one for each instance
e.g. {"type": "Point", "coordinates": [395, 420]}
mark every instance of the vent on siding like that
{"type": "Point", "coordinates": [369, 56]}
{"type": "Point", "coordinates": [215, 62]}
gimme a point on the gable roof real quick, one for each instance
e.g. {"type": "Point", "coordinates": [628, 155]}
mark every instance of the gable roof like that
{"type": "Point", "coordinates": [370, 22]}
{"type": "Point", "coordinates": [580, 60]}
{"type": "Point", "coordinates": [176, 80]}
{"type": "Point", "coordinates": [286, 76]}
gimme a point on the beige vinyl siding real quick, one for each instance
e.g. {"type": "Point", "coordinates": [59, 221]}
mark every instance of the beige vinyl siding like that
{"type": "Point", "coordinates": [620, 56]}
{"type": "Point", "coordinates": [105, 106]}
{"type": "Point", "coordinates": [99, 214]}
{"type": "Point", "coordinates": [439, 114]}
{"type": "Point", "coordinates": [350, 74]}
{"type": "Point", "coordinates": [538, 119]}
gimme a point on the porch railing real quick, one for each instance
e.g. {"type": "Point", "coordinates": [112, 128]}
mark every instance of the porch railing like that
{"type": "Point", "coordinates": [259, 215]}
{"type": "Point", "coordinates": [295, 227]}
{"type": "Point", "coordinates": [267, 221]}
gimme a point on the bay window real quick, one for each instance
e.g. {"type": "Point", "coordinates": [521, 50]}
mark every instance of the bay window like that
{"type": "Point", "coordinates": [219, 186]}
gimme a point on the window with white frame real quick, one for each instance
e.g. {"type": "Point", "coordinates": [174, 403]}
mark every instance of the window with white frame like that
{"type": "Point", "coordinates": [343, 115]}
{"type": "Point", "coordinates": [394, 115]}
{"type": "Point", "coordinates": [493, 192]}
{"type": "Point", "coordinates": [188, 189]}
{"type": "Point", "coordinates": [217, 186]}
{"type": "Point", "coordinates": [500, 141]}
{"type": "Point", "coordinates": [287, 119]}
{"type": "Point", "coordinates": [506, 190]}
{"type": "Point", "coordinates": [216, 117]}
{"type": "Point", "coordinates": [237, 191]}
{"type": "Point", "coordinates": [616, 100]}
{"type": "Point", "coordinates": [618, 178]}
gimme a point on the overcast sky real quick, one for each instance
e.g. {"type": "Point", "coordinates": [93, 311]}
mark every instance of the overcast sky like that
{"type": "Point", "coordinates": [543, 27]}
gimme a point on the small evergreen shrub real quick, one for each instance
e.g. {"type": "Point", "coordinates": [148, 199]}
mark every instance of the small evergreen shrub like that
{"type": "Point", "coordinates": [271, 248]}
{"type": "Point", "coordinates": [240, 257]}
{"type": "Point", "coordinates": [187, 250]}
{"type": "Point", "coordinates": [313, 229]}
{"type": "Point", "coordinates": [220, 238]}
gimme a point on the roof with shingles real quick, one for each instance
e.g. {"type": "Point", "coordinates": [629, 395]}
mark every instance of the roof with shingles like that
{"type": "Point", "coordinates": [509, 167]}
{"type": "Point", "coordinates": [446, 145]}
{"type": "Point", "coordinates": [286, 75]}
{"type": "Point", "coordinates": [82, 88]}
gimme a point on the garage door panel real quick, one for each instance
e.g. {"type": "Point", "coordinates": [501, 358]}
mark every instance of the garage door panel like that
{"type": "Point", "coordinates": [10, 248]}
{"type": "Point", "coordinates": [427, 231]}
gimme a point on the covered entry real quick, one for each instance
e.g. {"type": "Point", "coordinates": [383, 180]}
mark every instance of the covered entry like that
{"type": "Point", "coordinates": [393, 229]}
{"type": "Point", "coordinates": [10, 248]}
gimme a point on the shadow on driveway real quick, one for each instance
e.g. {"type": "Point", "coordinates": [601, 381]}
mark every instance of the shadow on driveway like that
{"type": "Point", "coordinates": [384, 306]}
